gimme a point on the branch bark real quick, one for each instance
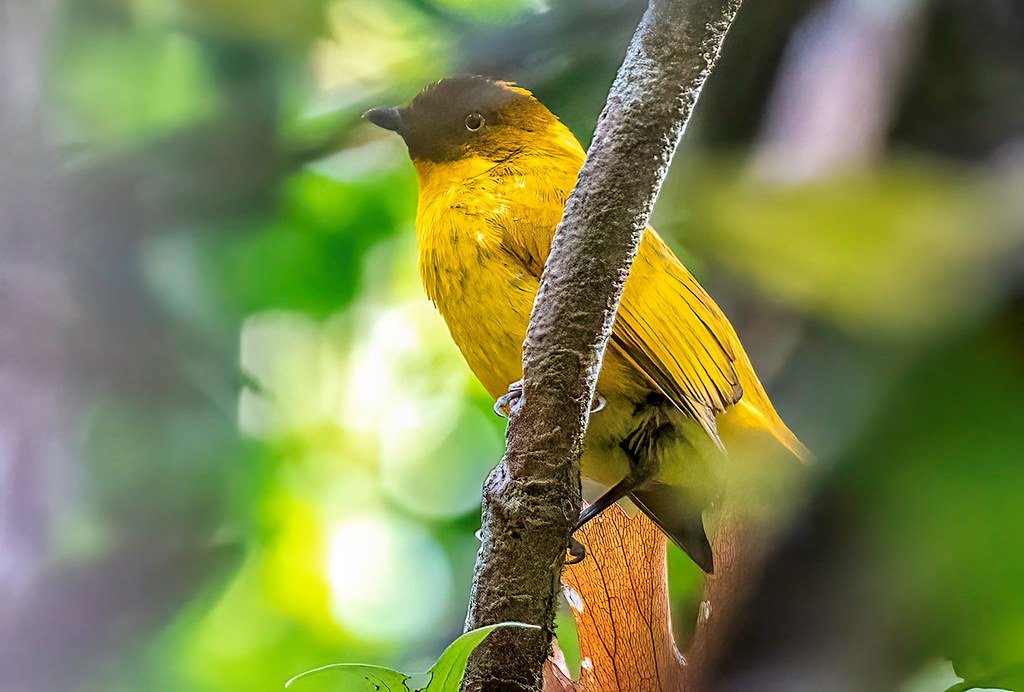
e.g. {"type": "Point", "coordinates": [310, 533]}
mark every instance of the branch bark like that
{"type": "Point", "coordinates": [532, 498]}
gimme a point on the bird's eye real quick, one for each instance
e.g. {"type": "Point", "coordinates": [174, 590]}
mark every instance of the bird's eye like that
{"type": "Point", "coordinates": [474, 121]}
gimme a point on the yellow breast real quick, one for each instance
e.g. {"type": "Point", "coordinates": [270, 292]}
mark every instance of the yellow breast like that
{"type": "Point", "coordinates": [468, 271]}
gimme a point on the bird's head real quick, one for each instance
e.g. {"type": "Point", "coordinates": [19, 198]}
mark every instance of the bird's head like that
{"type": "Point", "coordinates": [470, 117]}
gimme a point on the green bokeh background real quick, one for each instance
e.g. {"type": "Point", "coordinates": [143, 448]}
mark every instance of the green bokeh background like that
{"type": "Point", "coordinates": [315, 447]}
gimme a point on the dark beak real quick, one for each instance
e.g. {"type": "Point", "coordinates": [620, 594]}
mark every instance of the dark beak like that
{"type": "Point", "coordinates": [388, 118]}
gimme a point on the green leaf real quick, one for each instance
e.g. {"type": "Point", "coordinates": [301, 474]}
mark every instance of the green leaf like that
{"type": "Point", "coordinates": [1007, 677]}
{"type": "Point", "coordinates": [356, 677]}
{"type": "Point", "coordinates": [445, 675]}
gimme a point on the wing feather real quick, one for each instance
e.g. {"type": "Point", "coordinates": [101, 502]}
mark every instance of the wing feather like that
{"type": "Point", "coordinates": [671, 330]}
{"type": "Point", "coordinates": [667, 326]}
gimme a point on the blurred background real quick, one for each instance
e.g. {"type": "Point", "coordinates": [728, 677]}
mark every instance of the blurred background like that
{"type": "Point", "coordinates": [237, 443]}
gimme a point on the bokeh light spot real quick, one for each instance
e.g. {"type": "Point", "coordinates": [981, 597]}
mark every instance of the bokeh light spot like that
{"type": "Point", "coordinates": [388, 580]}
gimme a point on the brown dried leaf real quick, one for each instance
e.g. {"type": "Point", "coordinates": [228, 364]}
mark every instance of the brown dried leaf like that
{"type": "Point", "coordinates": [620, 601]}
{"type": "Point", "coordinates": [619, 598]}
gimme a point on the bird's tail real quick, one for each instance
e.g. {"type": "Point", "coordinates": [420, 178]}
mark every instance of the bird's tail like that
{"type": "Point", "coordinates": [790, 441]}
{"type": "Point", "coordinates": [756, 411]}
{"type": "Point", "coordinates": [772, 422]}
{"type": "Point", "coordinates": [679, 514]}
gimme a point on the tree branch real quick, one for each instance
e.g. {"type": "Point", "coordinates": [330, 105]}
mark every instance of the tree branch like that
{"type": "Point", "coordinates": [532, 498]}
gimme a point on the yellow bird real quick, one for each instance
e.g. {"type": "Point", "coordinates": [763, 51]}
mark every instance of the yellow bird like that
{"type": "Point", "coordinates": [495, 169]}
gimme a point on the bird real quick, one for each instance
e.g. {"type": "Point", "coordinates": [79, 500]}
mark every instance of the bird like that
{"type": "Point", "coordinates": [495, 168]}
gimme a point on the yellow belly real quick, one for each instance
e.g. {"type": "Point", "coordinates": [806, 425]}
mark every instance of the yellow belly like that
{"type": "Point", "coordinates": [487, 314]}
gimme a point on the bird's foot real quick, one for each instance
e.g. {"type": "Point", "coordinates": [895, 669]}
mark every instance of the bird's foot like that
{"type": "Point", "coordinates": [506, 403]}
{"type": "Point", "coordinates": [577, 552]}
{"type": "Point", "coordinates": [510, 401]}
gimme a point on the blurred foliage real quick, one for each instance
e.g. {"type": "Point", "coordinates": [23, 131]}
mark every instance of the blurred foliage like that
{"type": "Point", "coordinates": [908, 553]}
{"type": "Point", "coordinates": [905, 254]}
{"type": "Point", "coordinates": [942, 478]}
{"type": "Point", "coordinates": [444, 676]}
{"type": "Point", "coordinates": [351, 502]}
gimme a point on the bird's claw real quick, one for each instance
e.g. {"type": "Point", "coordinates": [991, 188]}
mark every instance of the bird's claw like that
{"type": "Point", "coordinates": [506, 403]}
{"type": "Point", "coordinates": [577, 552]}
{"type": "Point", "coordinates": [511, 400]}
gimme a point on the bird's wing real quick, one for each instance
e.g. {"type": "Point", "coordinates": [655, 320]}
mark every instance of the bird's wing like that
{"type": "Point", "coordinates": [667, 326]}
{"type": "Point", "coordinates": [671, 330]}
